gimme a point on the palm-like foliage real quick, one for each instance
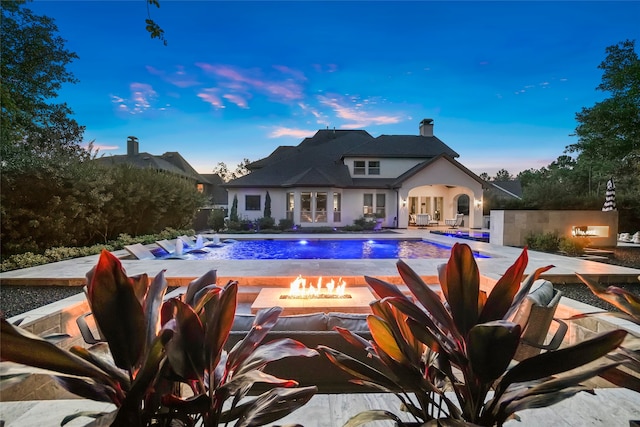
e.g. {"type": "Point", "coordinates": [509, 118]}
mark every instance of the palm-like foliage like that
{"type": "Point", "coordinates": [168, 366]}
{"type": "Point", "coordinates": [422, 348]}
{"type": "Point", "coordinates": [629, 304]}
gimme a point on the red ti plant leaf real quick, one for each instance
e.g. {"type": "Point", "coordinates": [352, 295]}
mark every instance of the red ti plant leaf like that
{"type": "Point", "coordinates": [624, 300]}
{"type": "Point", "coordinates": [462, 287]}
{"type": "Point", "coordinates": [140, 283]}
{"type": "Point", "coordinates": [491, 347]}
{"type": "Point", "coordinates": [524, 290]}
{"type": "Point", "coordinates": [220, 313]}
{"type": "Point", "coordinates": [152, 304]}
{"type": "Point", "coordinates": [209, 278]}
{"type": "Point", "coordinates": [502, 294]}
{"type": "Point", "coordinates": [185, 351]}
{"type": "Point", "coordinates": [117, 311]}
{"type": "Point", "coordinates": [24, 347]}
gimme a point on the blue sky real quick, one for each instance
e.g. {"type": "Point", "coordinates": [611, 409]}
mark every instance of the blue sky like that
{"type": "Point", "coordinates": [502, 80]}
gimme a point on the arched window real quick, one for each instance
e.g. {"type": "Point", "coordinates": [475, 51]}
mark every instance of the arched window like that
{"type": "Point", "coordinates": [463, 204]}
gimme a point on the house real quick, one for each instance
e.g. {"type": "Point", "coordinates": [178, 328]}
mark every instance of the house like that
{"type": "Point", "coordinates": [170, 162]}
{"type": "Point", "coordinates": [338, 176]}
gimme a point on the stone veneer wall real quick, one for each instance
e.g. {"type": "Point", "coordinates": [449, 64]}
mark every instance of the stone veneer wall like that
{"type": "Point", "coordinates": [511, 227]}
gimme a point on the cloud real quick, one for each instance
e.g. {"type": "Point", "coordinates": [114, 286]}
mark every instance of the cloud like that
{"type": "Point", "coordinates": [237, 99]}
{"type": "Point", "coordinates": [101, 147]}
{"type": "Point", "coordinates": [141, 98]}
{"type": "Point", "coordinates": [210, 96]}
{"type": "Point", "coordinates": [320, 117]}
{"type": "Point", "coordinates": [358, 118]}
{"type": "Point", "coordinates": [280, 131]}
{"type": "Point", "coordinates": [180, 78]}
{"type": "Point", "coordinates": [236, 83]}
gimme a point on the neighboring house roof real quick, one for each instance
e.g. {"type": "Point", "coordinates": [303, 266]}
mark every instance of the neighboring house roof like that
{"type": "Point", "coordinates": [219, 194]}
{"type": "Point", "coordinates": [318, 161]}
{"type": "Point", "coordinates": [507, 189]}
{"type": "Point", "coordinates": [171, 162]}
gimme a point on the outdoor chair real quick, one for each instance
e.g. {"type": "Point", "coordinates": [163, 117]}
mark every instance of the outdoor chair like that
{"type": "Point", "coordinates": [423, 220]}
{"type": "Point", "coordinates": [140, 251]}
{"type": "Point", "coordinates": [535, 315]}
{"type": "Point", "coordinates": [454, 222]}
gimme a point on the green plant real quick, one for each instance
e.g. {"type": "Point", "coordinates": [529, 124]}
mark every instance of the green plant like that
{"type": "Point", "coordinates": [285, 224]}
{"type": "Point", "coordinates": [233, 213]}
{"type": "Point", "coordinates": [169, 363]}
{"type": "Point", "coordinates": [265, 223]}
{"type": "Point", "coordinates": [267, 206]}
{"type": "Point", "coordinates": [573, 246]}
{"type": "Point", "coordinates": [422, 348]}
{"type": "Point", "coordinates": [545, 242]}
{"type": "Point", "coordinates": [216, 219]}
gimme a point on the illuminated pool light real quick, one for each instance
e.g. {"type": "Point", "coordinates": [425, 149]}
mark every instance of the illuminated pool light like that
{"type": "Point", "coordinates": [303, 242]}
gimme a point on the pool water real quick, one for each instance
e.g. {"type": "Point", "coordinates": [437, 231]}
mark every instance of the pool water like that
{"type": "Point", "coordinates": [325, 249]}
{"type": "Point", "coordinates": [477, 236]}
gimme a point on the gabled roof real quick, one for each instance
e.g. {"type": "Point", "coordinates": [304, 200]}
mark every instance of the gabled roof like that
{"type": "Point", "coordinates": [402, 146]}
{"type": "Point", "coordinates": [420, 166]}
{"type": "Point", "coordinates": [315, 161]}
{"type": "Point", "coordinates": [171, 162]}
{"type": "Point", "coordinates": [508, 189]}
{"type": "Point", "coordinates": [319, 160]}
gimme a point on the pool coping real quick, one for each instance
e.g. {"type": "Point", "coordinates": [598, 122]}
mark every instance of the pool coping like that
{"type": "Point", "coordinates": [180, 272]}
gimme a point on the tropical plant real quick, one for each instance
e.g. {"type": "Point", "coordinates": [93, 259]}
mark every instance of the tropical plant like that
{"type": "Point", "coordinates": [169, 364]}
{"type": "Point", "coordinates": [423, 348]}
{"type": "Point", "coordinates": [629, 305]}
{"type": "Point", "coordinates": [267, 206]}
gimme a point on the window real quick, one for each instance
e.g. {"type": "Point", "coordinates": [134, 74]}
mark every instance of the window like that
{"type": "Point", "coordinates": [200, 188]}
{"type": "Point", "coordinates": [358, 167]}
{"type": "Point", "coordinates": [305, 207]}
{"type": "Point", "coordinates": [252, 203]}
{"type": "Point", "coordinates": [374, 167]}
{"type": "Point", "coordinates": [380, 205]}
{"type": "Point", "coordinates": [337, 207]}
{"type": "Point", "coordinates": [321, 207]}
{"type": "Point", "coordinates": [290, 205]}
{"type": "Point", "coordinates": [367, 205]}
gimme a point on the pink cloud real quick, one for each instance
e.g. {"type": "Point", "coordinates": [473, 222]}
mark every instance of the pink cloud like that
{"type": "Point", "coordinates": [180, 78]}
{"type": "Point", "coordinates": [280, 131]}
{"type": "Point", "coordinates": [358, 118]}
{"type": "Point", "coordinates": [140, 99]}
{"type": "Point", "coordinates": [236, 99]}
{"type": "Point", "coordinates": [235, 79]}
{"type": "Point", "coordinates": [210, 96]}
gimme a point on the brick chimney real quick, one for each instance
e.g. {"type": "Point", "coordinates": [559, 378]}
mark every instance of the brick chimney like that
{"type": "Point", "coordinates": [132, 146]}
{"type": "Point", "coordinates": [426, 127]}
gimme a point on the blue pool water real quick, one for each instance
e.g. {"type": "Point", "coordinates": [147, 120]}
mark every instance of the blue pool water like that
{"type": "Point", "coordinates": [478, 236]}
{"type": "Point", "coordinates": [325, 249]}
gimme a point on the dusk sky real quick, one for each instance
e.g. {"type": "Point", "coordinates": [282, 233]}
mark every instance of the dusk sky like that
{"type": "Point", "coordinates": [502, 80]}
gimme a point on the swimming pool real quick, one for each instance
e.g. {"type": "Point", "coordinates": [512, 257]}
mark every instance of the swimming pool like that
{"type": "Point", "coordinates": [324, 249]}
{"type": "Point", "coordinates": [477, 236]}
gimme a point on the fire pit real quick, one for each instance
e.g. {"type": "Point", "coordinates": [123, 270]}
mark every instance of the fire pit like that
{"type": "Point", "coordinates": [303, 299]}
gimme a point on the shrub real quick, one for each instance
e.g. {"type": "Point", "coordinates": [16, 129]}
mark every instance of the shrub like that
{"type": "Point", "coordinates": [573, 246]}
{"type": "Point", "coordinates": [285, 224]}
{"type": "Point", "coordinates": [216, 219]}
{"type": "Point", "coordinates": [544, 242]}
{"type": "Point", "coordinates": [365, 223]}
{"type": "Point", "coordinates": [265, 223]}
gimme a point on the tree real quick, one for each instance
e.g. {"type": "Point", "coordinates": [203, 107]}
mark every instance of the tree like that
{"type": "Point", "coordinates": [609, 134]}
{"type": "Point", "coordinates": [233, 215]}
{"type": "Point", "coordinates": [223, 171]}
{"type": "Point", "coordinates": [503, 175]}
{"type": "Point", "coordinates": [267, 206]}
{"type": "Point", "coordinates": [34, 130]}
{"type": "Point", "coordinates": [485, 176]}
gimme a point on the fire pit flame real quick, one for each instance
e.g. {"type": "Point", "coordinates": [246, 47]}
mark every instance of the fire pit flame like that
{"type": "Point", "coordinates": [299, 289]}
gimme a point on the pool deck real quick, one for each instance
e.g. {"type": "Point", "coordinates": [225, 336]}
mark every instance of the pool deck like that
{"type": "Point", "coordinates": [253, 272]}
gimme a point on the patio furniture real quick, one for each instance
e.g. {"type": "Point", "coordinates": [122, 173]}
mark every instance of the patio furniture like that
{"type": "Point", "coordinates": [140, 251]}
{"type": "Point", "coordinates": [422, 220]}
{"type": "Point", "coordinates": [454, 222]}
{"type": "Point", "coordinates": [535, 316]}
